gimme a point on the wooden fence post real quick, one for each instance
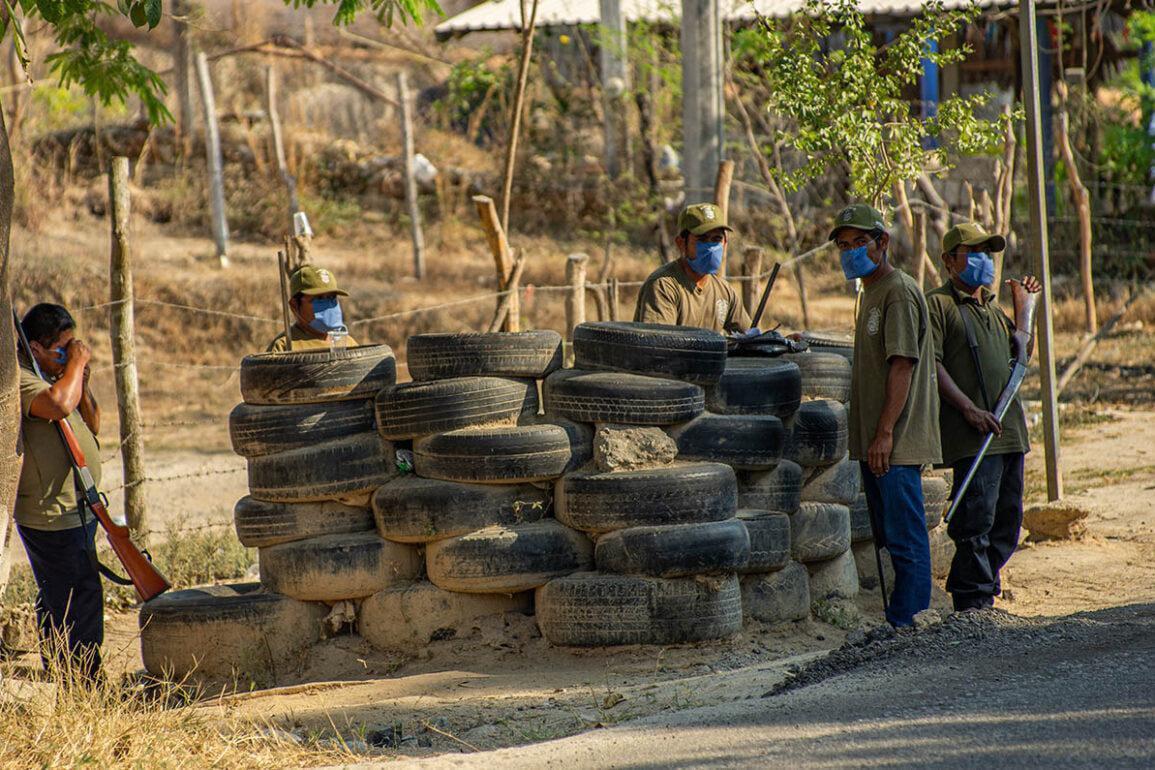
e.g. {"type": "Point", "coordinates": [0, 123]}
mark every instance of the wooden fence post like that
{"type": "Point", "coordinates": [213, 152]}
{"type": "Point", "coordinates": [613, 298]}
{"type": "Point", "coordinates": [751, 269]}
{"type": "Point", "coordinates": [502, 258]}
{"type": "Point", "coordinates": [575, 303]}
{"type": "Point", "coordinates": [279, 142]}
{"type": "Point", "coordinates": [123, 350]}
{"type": "Point", "coordinates": [722, 187]}
{"type": "Point", "coordinates": [410, 180]}
{"type": "Point", "coordinates": [283, 273]}
{"type": "Point", "coordinates": [918, 238]}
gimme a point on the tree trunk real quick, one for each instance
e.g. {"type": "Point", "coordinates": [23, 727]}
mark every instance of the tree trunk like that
{"type": "Point", "coordinates": [1082, 201]}
{"type": "Point", "coordinates": [9, 397]}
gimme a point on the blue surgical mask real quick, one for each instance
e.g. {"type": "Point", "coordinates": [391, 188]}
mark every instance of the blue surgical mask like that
{"type": "Point", "coordinates": [327, 316]}
{"type": "Point", "coordinates": [980, 269]}
{"type": "Point", "coordinates": [707, 258]}
{"type": "Point", "coordinates": [856, 263]}
{"type": "Point", "coordinates": [59, 355]}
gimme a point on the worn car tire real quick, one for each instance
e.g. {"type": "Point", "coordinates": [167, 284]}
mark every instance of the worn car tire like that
{"type": "Point", "coordinates": [317, 376]}
{"type": "Point", "coordinates": [769, 534]}
{"type": "Point", "coordinates": [507, 455]}
{"type": "Point", "coordinates": [335, 469]}
{"type": "Point", "coordinates": [683, 493]}
{"type": "Point", "coordinates": [860, 531]}
{"type": "Point", "coordinates": [838, 483]}
{"type": "Point", "coordinates": [682, 352]}
{"type": "Point", "coordinates": [332, 568]}
{"type": "Point", "coordinates": [935, 493]}
{"type": "Point", "coordinates": [592, 609]}
{"type": "Point", "coordinates": [424, 408]}
{"type": "Point", "coordinates": [777, 597]}
{"type": "Point", "coordinates": [626, 399]}
{"type": "Point", "coordinates": [261, 524]}
{"type": "Point", "coordinates": [778, 490]}
{"type": "Point", "coordinates": [820, 434]}
{"type": "Point", "coordinates": [530, 354]}
{"type": "Point", "coordinates": [507, 559]}
{"type": "Point", "coordinates": [835, 578]}
{"type": "Point", "coordinates": [416, 510]}
{"type": "Point", "coordinates": [756, 385]}
{"type": "Point", "coordinates": [677, 550]}
{"type": "Point", "coordinates": [841, 343]}
{"type": "Point", "coordinates": [819, 531]}
{"type": "Point", "coordinates": [256, 431]}
{"type": "Point", "coordinates": [824, 375]}
{"type": "Point", "coordinates": [226, 632]}
{"type": "Point", "coordinates": [408, 616]}
{"type": "Point", "coordinates": [744, 441]}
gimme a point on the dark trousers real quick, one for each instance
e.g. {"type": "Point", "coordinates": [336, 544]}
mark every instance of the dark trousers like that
{"type": "Point", "coordinates": [70, 599]}
{"type": "Point", "coordinates": [898, 519]}
{"type": "Point", "coordinates": [985, 528]}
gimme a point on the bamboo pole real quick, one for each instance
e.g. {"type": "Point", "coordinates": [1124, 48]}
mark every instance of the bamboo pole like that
{"type": "Point", "coordinates": [407, 151]}
{"type": "Point", "coordinates": [213, 152]}
{"type": "Point", "coordinates": [124, 352]}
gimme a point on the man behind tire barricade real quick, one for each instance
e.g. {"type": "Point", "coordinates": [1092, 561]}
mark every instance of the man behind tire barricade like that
{"type": "Point", "coordinates": [973, 341]}
{"type": "Point", "coordinates": [689, 291]}
{"type": "Point", "coordinates": [61, 549]}
{"type": "Point", "coordinates": [893, 404]}
{"type": "Point", "coordinates": [320, 322]}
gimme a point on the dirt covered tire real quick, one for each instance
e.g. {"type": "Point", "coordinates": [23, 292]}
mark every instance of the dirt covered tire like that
{"type": "Point", "coordinates": [824, 375]}
{"type": "Point", "coordinates": [531, 354]}
{"type": "Point", "coordinates": [683, 352]}
{"type": "Point", "coordinates": [509, 455]}
{"type": "Point", "coordinates": [507, 559]}
{"type": "Point", "coordinates": [225, 632]}
{"type": "Point", "coordinates": [262, 524]}
{"type": "Point", "coordinates": [935, 493]}
{"type": "Point", "coordinates": [593, 609]}
{"type": "Point", "coordinates": [677, 550]}
{"type": "Point", "coordinates": [317, 376]}
{"type": "Point", "coordinates": [411, 615]}
{"type": "Point", "coordinates": [820, 434]}
{"type": "Point", "coordinates": [841, 343]}
{"type": "Point", "coordinates": [335, 469]}
{"type": "Point", "coordinates": [838, 483]}
{"type": "Point", "coordinates": [778, 490]}
{"type": "Point", "coordinates": [757, 386]}
{"type": "Point", "coordinates": [769, 534]}
{"type": "Point", "coordinates": [332, 568]}
{"type": "Point", "coordinates": [683, 493]}
{"type": "Point", "coordinates": [256, 431]}
{"type": "Point", "coordinates": [860, 531]}
{"type": "Point", "coordinates": [423, 408]}
{"type": "Point", "coordinates": [416, 510]}
{"type": "Point", "coordinates": [777, 597]}
{"type": "Point", "coordinates": [746, 441]}
{"type": "Point", "coordinates": [626, 399]}
{"type": "Point", "coordinates": [835, 578]}
{"type": "Point", "coordinates": [819, 531]}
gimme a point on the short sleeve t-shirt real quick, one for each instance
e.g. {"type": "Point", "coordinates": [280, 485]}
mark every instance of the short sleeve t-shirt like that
{"type": "Point", "coordinates": [893, 321]}
{"type": "Point", "coordinates": [669, 297]}
{"type": "Point", "coordinates": [302, 340]}
{"type": "Point", "coordinates": [46, 496]}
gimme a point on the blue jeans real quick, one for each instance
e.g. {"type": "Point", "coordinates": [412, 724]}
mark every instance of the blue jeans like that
{"type": "Point", "coordinates": [898, 519]}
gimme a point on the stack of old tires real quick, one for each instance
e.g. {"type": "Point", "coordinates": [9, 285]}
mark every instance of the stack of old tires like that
{"type": "Point", "coordinates": [670, 537]}
{"type": "Point", "coordinates": [479, 500]}
{"type": "Point", "coordinates": [307, 430]}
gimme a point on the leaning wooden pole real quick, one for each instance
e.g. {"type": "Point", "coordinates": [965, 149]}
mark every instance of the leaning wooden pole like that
{"type": "Point", "coordinates": [213, 154]}
{"type": "Point", "coordinates": [503, 262]}
{"type": "Point", "coordinates": [527, 29]}
{"type": "Point", "coordinates": [274, 116]}
{"type": "Point", "coordinates": [124, 352]}
{"type": "Point", "coordinates": [407, 152]}
{"type": "Point", "coordinates": [575, 301]}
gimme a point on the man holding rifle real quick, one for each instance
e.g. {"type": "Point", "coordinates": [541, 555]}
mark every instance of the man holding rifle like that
{"type": "Point", "coordinates": [70, 599]}
{"type": "Point", "coordinates": [974, 341]}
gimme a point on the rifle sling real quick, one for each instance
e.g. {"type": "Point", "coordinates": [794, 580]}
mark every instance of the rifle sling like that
{"type": "Point", "coordinates": [973, 344]}
{"type": "Point", "coordinates": [90, 546]}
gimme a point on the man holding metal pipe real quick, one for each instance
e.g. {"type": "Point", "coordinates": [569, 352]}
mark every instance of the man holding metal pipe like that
{"type": "Point", "coordinates": [974, 341]}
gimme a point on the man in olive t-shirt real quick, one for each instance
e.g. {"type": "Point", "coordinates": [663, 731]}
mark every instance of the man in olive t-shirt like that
{"type": "Point", "coordinates": [70, 598]}
{"type": "Point", "coordinates": [893, 404]}
{"type": "Point", "coordinates": [985, 528]}
{"type": "Point", "coordinates": [320, 321]}
{"type": "Point", "coordinates": [689, 291]}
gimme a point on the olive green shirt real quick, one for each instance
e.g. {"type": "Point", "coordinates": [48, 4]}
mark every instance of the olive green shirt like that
{"type": "Point", "coordinates": [669, 297]}
{"type": "Point", "coordinates": [892, 321]}
{"type": "Point", "coordinates": [46, 496]}
{"type": "Point", "coordinates": [993, 332]}
{"type": "Point", "coordinates": [302, 340]}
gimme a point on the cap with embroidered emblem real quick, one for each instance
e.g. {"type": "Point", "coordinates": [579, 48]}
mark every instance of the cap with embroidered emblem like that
{"type": "Point", "coordinates": [701, 218]}
{"type": "Point", "coordinates": [860, 216]}
{"type": "Point", "coordinates": [311, 281]}
{"type": "Point", "coordinates": [971, 234]}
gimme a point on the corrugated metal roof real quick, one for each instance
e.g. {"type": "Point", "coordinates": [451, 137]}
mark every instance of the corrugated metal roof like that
{"type": "Point", "coordinates": [506, 14]}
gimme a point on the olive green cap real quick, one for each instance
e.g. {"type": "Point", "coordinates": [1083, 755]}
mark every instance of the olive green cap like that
{"type": "Point", "coordinates": [971, 234]}
{"type": "Point", "coordinates": [311, 281]}
{"type": "Point", "coordinates": [860, 216]}
{"type": "Point", "coordinates": [701, 218]}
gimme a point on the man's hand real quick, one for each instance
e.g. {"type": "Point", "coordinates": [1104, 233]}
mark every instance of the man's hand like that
{"type": "Point", "coordinates": [79, 353]}
{"type": "Point", "coordinates": [878, 455]}
{"type": "Point", "coordinates": [983, 421]}
{"type": "Point", "coordinates": [1031, 284]}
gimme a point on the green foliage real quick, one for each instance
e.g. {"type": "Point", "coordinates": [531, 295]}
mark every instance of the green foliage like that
{"type": "Point", "coordinates": [471, 83]}
{"type": "Point", "coordinates": [384, 10]}
{"type": "Point", "coordinates": [844, 102]}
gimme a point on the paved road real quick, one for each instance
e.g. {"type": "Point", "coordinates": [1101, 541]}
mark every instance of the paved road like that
{"type": "Point", "coordinates": [1074, 692]}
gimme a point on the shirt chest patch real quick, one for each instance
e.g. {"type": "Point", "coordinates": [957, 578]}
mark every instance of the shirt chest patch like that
{"type": "Point", "coordinates": [721, 310]}
{"type": "Point", "coordinates": [873, 321]}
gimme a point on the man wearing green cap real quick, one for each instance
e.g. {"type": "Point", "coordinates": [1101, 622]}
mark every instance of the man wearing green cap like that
{"type": "Point", "coordinates": [893, 404]}
{"type": "Point", "coordinates": [313, 293]}
{"type": "Point", "coordinates": [689, 291]}
{"type": "Point", "coordinates": [973, 341]}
